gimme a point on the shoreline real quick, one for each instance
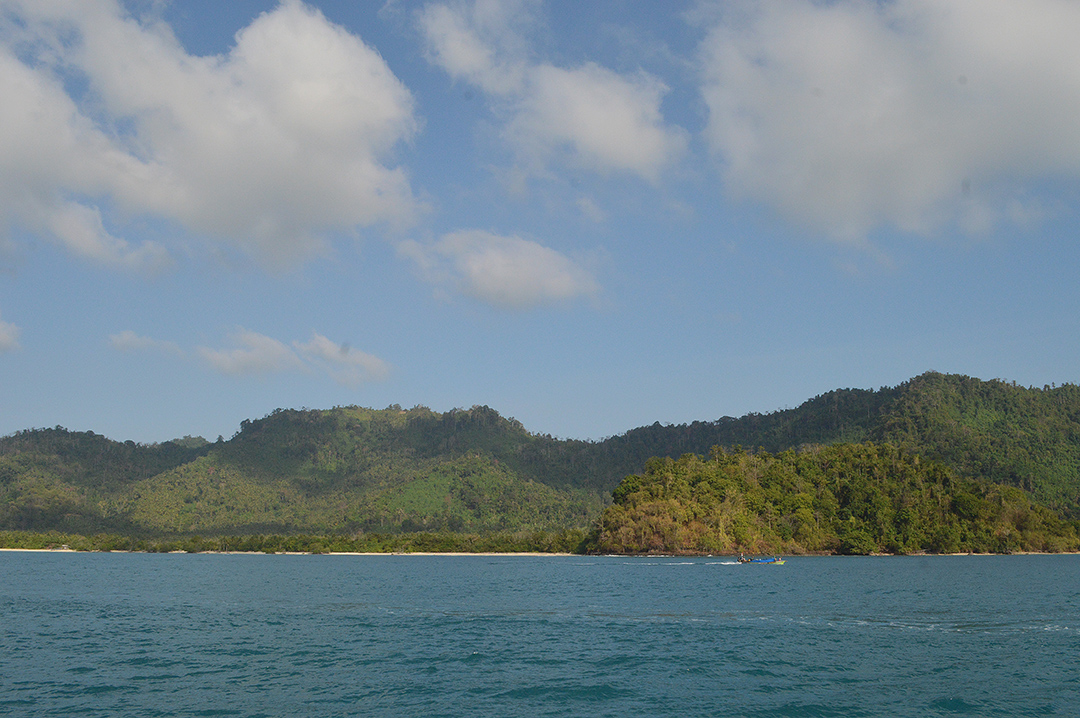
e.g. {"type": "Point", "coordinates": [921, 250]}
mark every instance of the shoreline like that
{"type": "Point", "coordinates": [528, 554]}
{"type": "Point", "coordinates": [308, 553]}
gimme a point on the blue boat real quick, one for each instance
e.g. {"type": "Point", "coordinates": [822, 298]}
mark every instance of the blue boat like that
{"type": "Point", "coordinates": [777, 560]}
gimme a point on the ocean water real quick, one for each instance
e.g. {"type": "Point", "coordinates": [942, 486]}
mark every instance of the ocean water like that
{"type": "Point", "coordinates": [238, 635]}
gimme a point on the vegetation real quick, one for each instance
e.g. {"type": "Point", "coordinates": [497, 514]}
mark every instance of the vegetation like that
{"type": "Point", "coordinates": [993, 431]}
{"type": "Point", "coordinates": [565, 541]}
{"type": "Point", "coordinates": [348, 471]}
{"type": "Point", "coordinates": [339, 471]}
{"type": "Point", "coordinates": [844, 498]}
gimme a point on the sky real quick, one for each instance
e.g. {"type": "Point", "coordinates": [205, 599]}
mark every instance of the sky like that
{"type": "Point", "coordinates": [587, 216]}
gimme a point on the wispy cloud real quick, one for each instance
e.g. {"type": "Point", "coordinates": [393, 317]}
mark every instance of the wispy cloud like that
{"type": "Point", "coordinates": [9, 336]}
{"type": "Point", "coordinates": [344, 364]}
{"type": "Point", "coordinates": [590, 210]}
{"type": "Point", "coordinates": [850, 116]}
{"type": "Point", "coordinates": [250, 353]}
{"type": "Point", "coordinates": [265, 148]}
{"type": "Point", "coordinates": [80, 229]}
{"type": "Point", "coordinates": [505, 271]}
{"type": "Point", "coordinates": [129, 341]}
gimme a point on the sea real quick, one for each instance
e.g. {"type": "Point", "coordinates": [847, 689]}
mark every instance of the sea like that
{"type": "Point", "coordinates": [261, 636]}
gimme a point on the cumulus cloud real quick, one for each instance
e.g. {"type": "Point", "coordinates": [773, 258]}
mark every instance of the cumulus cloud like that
{"type": "Point", "coordinates": [587, 116]}
{"type": "Point", "coordinates": [9, 336]}
{"type": "Point", "coordinates": [849, 116]}
{"type": "Point", "coordinates": [598, 118]}
{"type": "Point", "coordinates": [48, 150]}
{"type": "Point", "coordinates": [269, 147]}
{"type": "Point", "coordinates": [480, 42]}
{"type": "Point", "coordinates": [505, 271]}
{"type": "Point", "coordinates": [346, 365]}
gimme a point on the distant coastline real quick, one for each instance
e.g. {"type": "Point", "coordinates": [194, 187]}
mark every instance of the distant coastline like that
{"type": "Point", "coordinates": [302, 553]}
{"type": "Point", "coordinates": [527, 553]}
{"type": "Point", "coordinates": [940, 464]}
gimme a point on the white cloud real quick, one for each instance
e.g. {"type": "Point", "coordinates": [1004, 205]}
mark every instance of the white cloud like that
{"type": "Point", "coordinates": [479, 43]}
{"type": "Point", "coordinates": [600, 119]}
{"type": "Point", "coordinates": [254, 353]}
{"type": "Point", "coordinates": [129, 341]}
{"type": "Point", "coordinates": [849, 116]}
{"type": "Point", "coordinates": [47, 151]}
{"type": "Point", "coordinates": [344, 364]}
{"type": "Point", "coordinates": [9, 336]}
{"type": "Point", "coordinates": [267, 147]}
{"type": "Point", "coordinates": [80, 229]}
{"type": "Point", "coordinates": [508, 272]}
{"type": "Point", "coordinates": [588, 116]}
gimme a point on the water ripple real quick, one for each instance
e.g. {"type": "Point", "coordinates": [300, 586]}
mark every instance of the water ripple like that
{"type": "Point", "coordinates": [129, 635]}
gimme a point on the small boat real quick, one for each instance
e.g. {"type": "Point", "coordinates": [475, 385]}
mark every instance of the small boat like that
{"type": "Point", "coordinates": [775, 560]}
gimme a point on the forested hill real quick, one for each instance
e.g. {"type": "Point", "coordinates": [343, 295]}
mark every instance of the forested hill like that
{"type": "Point", "coordinates": [995, 430]}
{"type": "Point", "coordinates": [351, 469]}
{"type": "Point", "coordinates": [346, 469]}
{"type": "Point", "coordinates": [843, 498]}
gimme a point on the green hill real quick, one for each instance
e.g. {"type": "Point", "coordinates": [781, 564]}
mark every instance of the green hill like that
{"type": "Point", "coordinates": [844, 498]}
{"type": "Point", "coordinates": [335, 471]}
{"type": "Point", "coordinates": [993, 431]}
{"type": "Point", "coordinates": [351, 469]}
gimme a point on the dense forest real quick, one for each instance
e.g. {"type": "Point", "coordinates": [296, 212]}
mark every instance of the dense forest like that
{"type": "Point", "coordinates": [844, 498]}
{"type": "Point", "coordinates": [993, 431]}
{"type": "Point", "coordinates": [352, 471]}
{"type": "Point", "coordinates": [564, 541]}
{"type": "Point", "coordinates": [344, 470]}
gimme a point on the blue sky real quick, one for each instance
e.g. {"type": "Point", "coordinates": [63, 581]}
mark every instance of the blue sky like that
{"type": "Point", "coordinates": [588, 216]}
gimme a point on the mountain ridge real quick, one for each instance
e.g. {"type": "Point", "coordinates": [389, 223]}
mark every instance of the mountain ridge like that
{"type": "Point", "coordinates": [353, 469]}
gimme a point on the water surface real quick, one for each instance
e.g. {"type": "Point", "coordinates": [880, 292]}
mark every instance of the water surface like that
{"type": "Point", "coordinates": [250, 635]}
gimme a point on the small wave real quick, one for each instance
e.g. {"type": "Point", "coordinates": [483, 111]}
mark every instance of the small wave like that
{"type": "Point", "coordinates": [564, 693]}
{"type": "Point", "coordinates": [812, 710]}
{"type": "Point", "coordinates": [957, 706]}
{"type": "Point", "coordinates": [902, 624]}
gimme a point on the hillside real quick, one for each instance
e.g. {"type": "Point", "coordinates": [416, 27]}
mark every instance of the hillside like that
{"type": "Point", "coordinates": [844, 498]}
{"type": "Point", "coordinates": [351, 469]}
{"type": "Point", "coordinates": [992, 431]}
{"type": "Point", "coordinates": [334, 471]}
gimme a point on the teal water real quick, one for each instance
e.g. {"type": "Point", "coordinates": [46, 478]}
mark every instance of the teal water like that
{"type": "Point", "coordinates": [228, 635]}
